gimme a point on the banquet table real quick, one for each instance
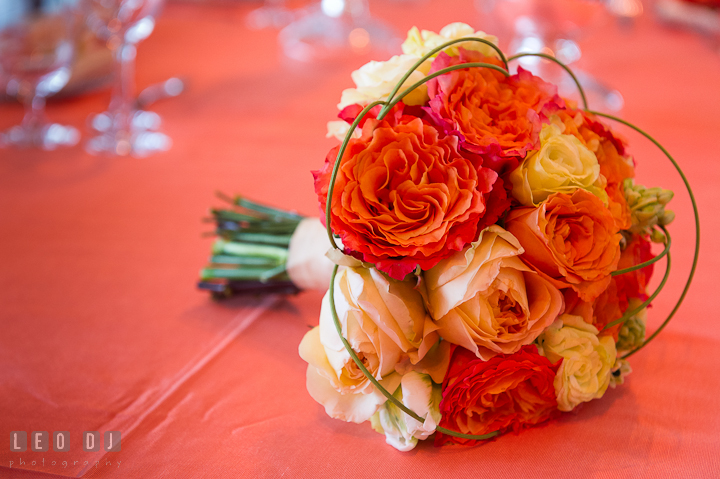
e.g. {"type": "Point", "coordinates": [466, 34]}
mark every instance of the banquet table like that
{"type": "Point", "coordinates": [102, 327]}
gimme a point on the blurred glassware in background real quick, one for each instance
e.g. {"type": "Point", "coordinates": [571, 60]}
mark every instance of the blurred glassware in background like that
{"type": "Point", "coordinates": [626, 11]}
{"type": "Point", "coordinates": [124, 129]}
{"type": "Point", "coordinates": [553, 27]}
{"type": "Point", "coordinates": [701, 16]}
{"type": "Point", "coordinates": [37, 40]}
{"type": "Point", "coordinates": [273, 14]}
{"type": "Point", "coordinates": [333, 28]}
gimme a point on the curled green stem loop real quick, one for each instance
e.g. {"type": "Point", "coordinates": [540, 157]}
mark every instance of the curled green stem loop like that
{"type": "Point", "coordinates": [461, 66]}
{"type": "Point", "coordinates": [697, 227]}
{"type": "Point", "coordinates": [645, 304]}
{"type": "Point", "coordinates": [565, 67]}
{"type": "Point", "coordinates": [649, 262]}
{"type": "Point", "coordinates": [336, 167]}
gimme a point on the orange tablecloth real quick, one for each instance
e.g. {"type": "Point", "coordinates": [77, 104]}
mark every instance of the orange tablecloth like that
{"type": "Point", "coordinates": [101, 327]}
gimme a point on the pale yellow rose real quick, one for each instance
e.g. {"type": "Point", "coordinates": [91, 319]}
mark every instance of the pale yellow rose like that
{"type": "Point", "coordinates": [562, 165]}
{"type": "Point", "coordinates": [419, 43]}
{"type": "Point", "coordinates": [421, 395]}
{"type": "Point", "coordinates": [375, 81]}
{"type": "Point", "coordinates": [485, 299]}
{"type": "Point", "coordinates": [386, 324]}
{"type": "Point", "coordinates": [587, 360]}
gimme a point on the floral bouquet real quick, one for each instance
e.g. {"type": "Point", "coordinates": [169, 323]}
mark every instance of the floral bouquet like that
{"type": "Point", "coordinates": [490, 251]}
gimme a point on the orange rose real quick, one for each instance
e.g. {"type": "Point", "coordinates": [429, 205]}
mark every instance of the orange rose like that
{"type": "Point", "coordinates": [572, 240]}
{"type": "Point", "coordinates": [606, 308]}
{"type": "Point", "coordinates": [615, 300]}
{"type": "Point", "coordinates": [497, 117]}
{"type": "Point", "coordinates": [404, 197]}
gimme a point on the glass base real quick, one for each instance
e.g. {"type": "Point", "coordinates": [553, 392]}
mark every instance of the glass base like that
{"type": "Point", "coordinates": [137, 144]}
{"type": "Point", "coordinates": [139, 138]}
{"type": "Point", "coordinates": [46, 136]}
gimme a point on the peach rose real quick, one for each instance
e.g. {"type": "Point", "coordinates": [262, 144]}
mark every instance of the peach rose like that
{"type": "Point", "coordinates": [405, 197]}
{"type": "Point", "coordinates": [386, 324]}
{"type": "Point", "coordinates": [487, 300]}
{"type": "Point", "coordinates": [571, 240]}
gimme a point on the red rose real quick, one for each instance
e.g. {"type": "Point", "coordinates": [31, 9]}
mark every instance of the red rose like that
{"type": "Point", "coordinates": [634, 284]}
{"type": "Point", "coordinates": [508, 392]}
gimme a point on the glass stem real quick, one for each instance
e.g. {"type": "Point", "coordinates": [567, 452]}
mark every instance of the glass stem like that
{"type": "Point", "coordinates": [34, 117]}
{"type": "Point", "coordinates": [122, 104]}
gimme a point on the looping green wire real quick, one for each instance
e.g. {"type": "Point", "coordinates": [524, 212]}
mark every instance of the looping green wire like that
{"type": "Point", "coordinates": [461, 66]}
{"type": "Point", "coordinates": [645, 304]}
{"type": "Point", "coordinates": [565, 67]}
{"type": "Point", "coordinates": [697, 229]}
{"type": "Point", "coordinates": [336, 167]}
{"type": "Point", "coordinates": [649, 262]}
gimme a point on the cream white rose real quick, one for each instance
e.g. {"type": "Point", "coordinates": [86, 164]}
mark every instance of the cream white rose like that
{"type": "Point", "coordinates": [587, 360]}
{"type": "Point", "coordinates": [562, 165]}
{"type": "Point", "coordinates": [375, 80]}
{"type": "Point", "coordinates": [338, 129]}
{"type": "Point", "coordinates": [419, 43]}
{"type": "Point", "coordinates": [307, 265]}
{"type": "Point", "coordinates": [419, 394]}
{"type": "Point", "coordinates": [485, 299]}
{"type": "Point", "coordinates": [386, 324]}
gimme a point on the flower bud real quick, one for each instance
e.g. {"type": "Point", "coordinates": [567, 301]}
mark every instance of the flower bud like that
{"type": "Point", "coordinates": [647, 206]}
{"type": "Point", "coordinates": [632, 332]}
{"type": "Point", "coordinates": [619, 372]}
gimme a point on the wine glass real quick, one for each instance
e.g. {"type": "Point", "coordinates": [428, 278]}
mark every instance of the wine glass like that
{"type": "Point", "coordinates": [36, 52]}
{"type": "Point", "coordinates": [124, 129]}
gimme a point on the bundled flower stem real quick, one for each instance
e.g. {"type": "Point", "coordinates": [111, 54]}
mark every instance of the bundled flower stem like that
{"type": "Point", "coordinates": [250, 253]}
